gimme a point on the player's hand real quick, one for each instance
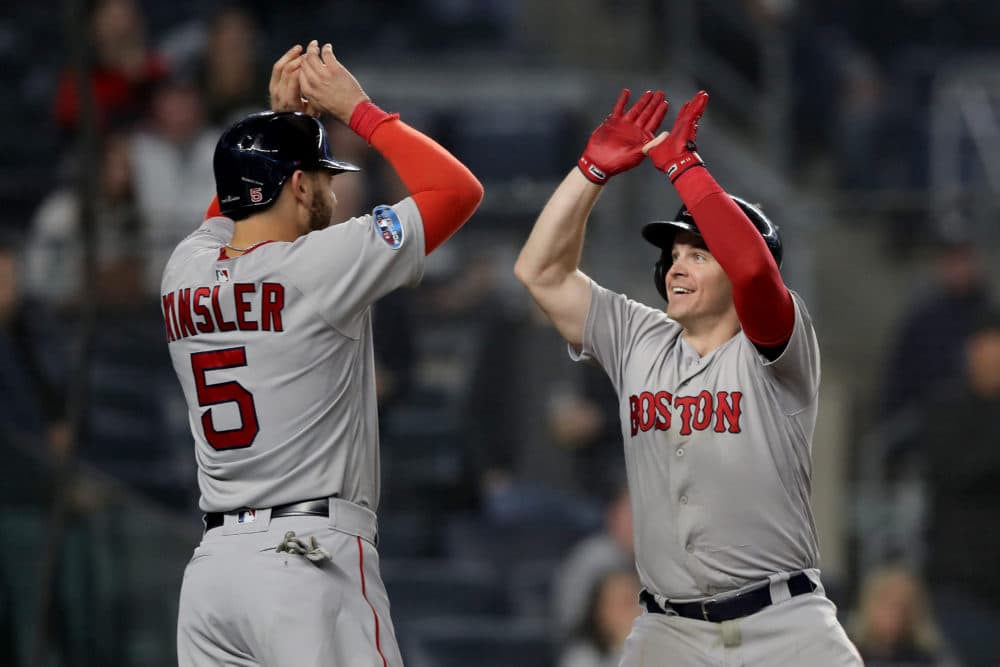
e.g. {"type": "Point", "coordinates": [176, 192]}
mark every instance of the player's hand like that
{"type": "Point", "coordinates": [675, 152]}
{"type": "Point", "coordinates": [616, 144]}
{"type": "Point", "coordinates": [284, 89]}
{"type": "Point", "coordinates": [327, 84]}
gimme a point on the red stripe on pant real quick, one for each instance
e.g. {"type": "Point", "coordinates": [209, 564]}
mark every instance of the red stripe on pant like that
{"type": "Point", "coordinates": [364, 594]}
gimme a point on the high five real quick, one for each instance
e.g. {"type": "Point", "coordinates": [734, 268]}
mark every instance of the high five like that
{"type": "Point", "coordinates": [717, 398]}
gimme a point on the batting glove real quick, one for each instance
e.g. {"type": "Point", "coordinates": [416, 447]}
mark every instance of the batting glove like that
{"type": "Point", "coordinates": [616, 144]}
{"type": "Point", "coordinates": [677, 153]}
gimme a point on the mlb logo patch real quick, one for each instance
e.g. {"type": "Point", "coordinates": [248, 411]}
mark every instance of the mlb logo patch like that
{"type": "Point", "coordinates": [389, 226]}
{"type": "Point", "coordinates": [246, 516]}
{"type": "Point", "coordinates": [222, 275]}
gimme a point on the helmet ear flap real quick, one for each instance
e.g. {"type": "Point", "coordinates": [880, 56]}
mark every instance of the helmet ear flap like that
{"type": "Point", "coordinates": [660, 274]}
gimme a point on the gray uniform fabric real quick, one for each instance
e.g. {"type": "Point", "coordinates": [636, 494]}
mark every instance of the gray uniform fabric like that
{"type": "Point", "coordinates": [313, 382]}
{"type": "Point", "coordinates": [245, 604]}
{"type": "Point", "coordinates": [273, 350]}
{"type": "Point", "coordinates": [717, 452]}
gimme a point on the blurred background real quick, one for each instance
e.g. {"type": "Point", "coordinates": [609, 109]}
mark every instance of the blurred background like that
{"type": "Point", "coordinates": [868, 130]}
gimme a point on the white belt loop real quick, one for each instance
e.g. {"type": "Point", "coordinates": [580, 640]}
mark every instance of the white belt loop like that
{"type": "Point", "coordinates": [348, 517]}
{"type": "Point", "coordinates": [779, 587]}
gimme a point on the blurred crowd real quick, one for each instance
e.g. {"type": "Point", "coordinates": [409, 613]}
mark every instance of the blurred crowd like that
{"type": "Point", "coordinates": [502, 471]}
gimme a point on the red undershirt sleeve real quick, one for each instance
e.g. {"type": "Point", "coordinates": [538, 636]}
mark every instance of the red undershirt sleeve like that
{"type": "Point", "coordinates": [213, 210]}
{"type": "Point", "coordinates": [762, 300]}
{"type": "Point", "coordinates": [444, 189]}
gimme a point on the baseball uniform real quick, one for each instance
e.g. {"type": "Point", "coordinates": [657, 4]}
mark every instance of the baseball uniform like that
{"type": "Point", "coordinates": [717, 450]}
{"type": "Point", "coordinates": [273, 350]}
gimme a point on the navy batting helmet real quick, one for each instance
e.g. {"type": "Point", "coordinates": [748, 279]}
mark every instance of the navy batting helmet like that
{"type": "Point", "coordinates": [255, 157]}
{"type": "Point", "coordinates": [661, 234]}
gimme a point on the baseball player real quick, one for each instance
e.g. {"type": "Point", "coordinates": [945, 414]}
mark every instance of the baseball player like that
{"type": "Point", "coordinates": [717, 399]}
{"type": "Point", "coordinates": [267, 309]}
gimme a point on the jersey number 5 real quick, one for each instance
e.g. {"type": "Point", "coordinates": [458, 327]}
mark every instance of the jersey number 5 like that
{"type": "Point", "coordinates": [224, 392]}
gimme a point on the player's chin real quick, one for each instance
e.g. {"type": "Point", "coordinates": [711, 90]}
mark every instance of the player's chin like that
{"type": "Point", "coordinates": [682, 315]}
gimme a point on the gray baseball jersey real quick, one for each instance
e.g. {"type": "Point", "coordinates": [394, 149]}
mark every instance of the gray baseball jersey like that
{"type": "Point", "coordinates": [273, 350]}
{"type": "Point", "coordinates": [717, 448]}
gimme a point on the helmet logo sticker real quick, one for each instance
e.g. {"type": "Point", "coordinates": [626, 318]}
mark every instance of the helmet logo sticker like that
{"type": "Point", "coordinates": [389, 226]}
{"type": "Point", "coordinates": [256, 195]}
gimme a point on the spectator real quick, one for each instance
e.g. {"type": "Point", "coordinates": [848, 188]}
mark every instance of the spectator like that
{"type": "Point", "coordinates": [172, 159]}
{"type": "Point", "coordinates": [583, 420]}
{"type": "Point", "coordinates": [54, 253]}
{"type": "Point", "coordinates": [581, 569]}
{"type": "Point", "coordinates": [894, 626]}
{"type": "Point", "coordinates": [123, 67]}
{"type": "Point", "coordinates": [607, 621]}
{"type": "Point", "coordinates": [962, 468]}
{"type": "Point", "coordinates": [927, 348]}
{"type": "Point", "coordinates": [394, 343]}
{"type": "Point", "coordinates": [30, 364]}
{"type": "Point", "coordinates": [230, 77]}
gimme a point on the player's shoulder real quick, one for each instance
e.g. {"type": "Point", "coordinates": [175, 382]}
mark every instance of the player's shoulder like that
{"type": "Point", "coordinates": [800, 303]}
{"type": "Point", "coordinates": [395, 225]}
{"type": "Point", "coordinates": [632, 308]}
{"type": "Point", "coordinates": [203, 243]}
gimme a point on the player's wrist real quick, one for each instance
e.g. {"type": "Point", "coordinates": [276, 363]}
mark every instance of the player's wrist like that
{"type": "Point", "coordinates": [366, 117]}
{"type": "Point", "coordinates": [591, 171]}
{"type": "Point", "coordinates": [681, 167]}
{"type": "Point", "coordinates": [675, 164]}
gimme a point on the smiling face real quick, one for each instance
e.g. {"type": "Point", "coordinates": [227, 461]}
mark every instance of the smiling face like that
{"type": "Point", "coordinates": [699, 290]}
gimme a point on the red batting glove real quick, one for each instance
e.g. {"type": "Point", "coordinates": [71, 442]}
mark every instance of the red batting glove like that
{"type": "Point", "coordinates": [678, 152]}
{"type": "Point", "coordinates": [616, 144]}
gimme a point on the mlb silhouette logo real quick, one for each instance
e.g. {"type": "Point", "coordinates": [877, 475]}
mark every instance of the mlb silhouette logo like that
{"type": "Point", "coordinates": [246, 516]}
{"type": "Point", "coordinates": [222, 275]}
{"type": "Point", "coordinates": [256, 196]}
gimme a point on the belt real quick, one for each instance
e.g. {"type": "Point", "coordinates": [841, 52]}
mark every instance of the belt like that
{"type": "Point", "coordinates": [318, 507]}
{"type": "Point", "coordinates": [731, 607]}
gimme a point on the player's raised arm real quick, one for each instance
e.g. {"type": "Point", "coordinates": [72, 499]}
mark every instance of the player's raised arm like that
{"type": "Point", "coordinates": [445, 191]}
{"type": "Point", "coordinates": [763, 303]}
{"type": "Point", "coordinates": [550, 259]}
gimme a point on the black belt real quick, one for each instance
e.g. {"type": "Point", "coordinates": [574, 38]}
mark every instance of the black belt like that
{"type": "Point", "coordinates": [731, 607]}
{"type": "Point", "coordinates": [318, 507]}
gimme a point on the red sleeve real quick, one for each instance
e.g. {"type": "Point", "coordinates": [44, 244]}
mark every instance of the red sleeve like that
{"type": "Point", "coordinates": [213, 210]}
{"type": "Point", "coordinates": [763, 303]}
{"type": "Point", "coordinates": [445, 191]}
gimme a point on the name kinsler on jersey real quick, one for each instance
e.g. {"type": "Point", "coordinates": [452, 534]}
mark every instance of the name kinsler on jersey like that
{"type": "Point", "coordinates": [190, 311]}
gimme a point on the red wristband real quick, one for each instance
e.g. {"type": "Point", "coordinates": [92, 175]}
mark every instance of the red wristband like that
{"type": "Point", "coordinates": [366, 117]}
{"type": "Point", "coordinates": [591, 171]}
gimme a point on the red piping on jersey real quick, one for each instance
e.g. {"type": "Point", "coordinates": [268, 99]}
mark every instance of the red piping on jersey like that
{"type": "Point", "coordinates": [364, 594]}
{"type": "Point", "coordinates": [762, 301]}
{"type": "Point", "coordinates": [445, 191]}
{"type": "Point", "coordinates": [223, 255]}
